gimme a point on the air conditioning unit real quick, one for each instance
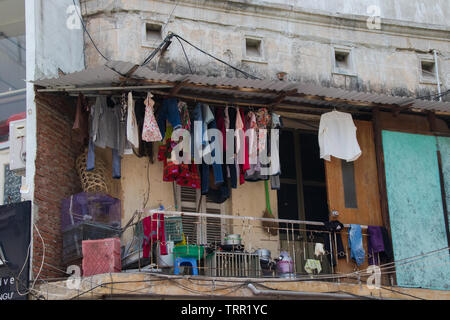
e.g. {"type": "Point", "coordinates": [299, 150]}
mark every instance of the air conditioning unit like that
{"type": "Point", "coordinates": [17, 146]}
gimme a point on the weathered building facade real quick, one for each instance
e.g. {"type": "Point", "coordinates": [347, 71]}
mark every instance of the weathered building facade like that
{"type": "Point", "coordinates": [401, 51]}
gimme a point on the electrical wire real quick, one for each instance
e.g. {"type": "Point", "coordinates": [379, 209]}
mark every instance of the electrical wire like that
{"type": "Point", "coordinates": [185, 55]}
{"type": "Point", "coordinates": [87, 32]}
{"type": "Point", "coordinates": [92, 40]}
{"type": "Point", "coordinates": [17, 278]}
{"type": "Point", "coordinates": [220, 60]}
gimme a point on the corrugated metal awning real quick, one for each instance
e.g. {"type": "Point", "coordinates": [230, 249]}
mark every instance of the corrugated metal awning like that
{"type": "Point", "coordinates": [266, 91]}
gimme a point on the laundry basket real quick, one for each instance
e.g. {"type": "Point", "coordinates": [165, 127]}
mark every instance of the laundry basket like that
{"type": "Point", "coordinates": [92, 181]}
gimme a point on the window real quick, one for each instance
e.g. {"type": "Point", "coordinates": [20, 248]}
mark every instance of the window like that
{"type": "Point", "coordinates": [2, 257]}
{"type": "Point", "coordinates": [343, 61]}
{"type": "Point", "coordinates": [200, 230]}
{"type": "Point", "coordinates": [303, 194]}
{"type": "Point", "coordinates": [151, 34]}
{"type": "Point", "coordinates": [12, 184]}
{"type": "Point", "coordinates": [348, 179]}
{"type": "Point", "coordinates": [427, 70]}
{"type": "Point", "coordinates": [254, 49]}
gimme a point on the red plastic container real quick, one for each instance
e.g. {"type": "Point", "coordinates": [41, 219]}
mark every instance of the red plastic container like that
{"type": "Point", "coordinates": [101, 256]}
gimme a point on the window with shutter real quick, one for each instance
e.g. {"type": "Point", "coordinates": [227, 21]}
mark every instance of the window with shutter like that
{"type": "Point", "coordinates": [200, 230]}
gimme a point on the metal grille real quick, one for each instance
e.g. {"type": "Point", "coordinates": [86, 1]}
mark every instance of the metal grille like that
{"type": "Point", "coordinates": [213, 227]}
{"type": "Point", "coordinates": [234, 264]}
{"type": "Point", "coordinates": [188, 204]}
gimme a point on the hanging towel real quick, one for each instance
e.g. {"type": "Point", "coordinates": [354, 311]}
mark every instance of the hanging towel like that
{"type": "Point", "coordinates": [154, 230]}
{"type": "Point", "coordinates": [318, 250]}
{"type": "Point", "coordinates": [335, 228]}
{"type": "Point", "coordinates": [150, 131]}
{"type": "Point", "coordinates": [388, 253]}
{"type": "Point", "coordinates": [311, 265]}
{"type": "Point", "coordinates": [132, 126]}
{"type": "Point", "coordinates": [337, 136]}
{"type": "Point", "coordinates": [375, 244]}
{"type": "Point", "coordinates": [356, 245]}
{"type": "Point", "coordinates": [81, 124]}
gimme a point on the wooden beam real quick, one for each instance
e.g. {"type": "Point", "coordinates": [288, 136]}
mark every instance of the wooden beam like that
{"type": "Point", "coordinates": [131, 71]}
{"type": "Point", "coordinates": [381, 172]}
{"type": "Point", "coordinates": [174, 91]}
{"type": "Point", "coordinates": [431, 116]}
{"type": "Point", "coordinates": [281, 97]}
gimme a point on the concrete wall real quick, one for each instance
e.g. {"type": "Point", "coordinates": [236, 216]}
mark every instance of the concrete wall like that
{"type": "Point", "coordinates": [423, 11]}
{"type": "Point", "coordinates": [298, 37]}
{"type": "Point", "coordinates": [51, 46]}
{"type": "Point", "coordinates": [295, 40]}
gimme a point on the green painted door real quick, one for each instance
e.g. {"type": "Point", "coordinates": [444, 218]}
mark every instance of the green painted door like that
{"type": "Point", "coordinates": [416, 209]}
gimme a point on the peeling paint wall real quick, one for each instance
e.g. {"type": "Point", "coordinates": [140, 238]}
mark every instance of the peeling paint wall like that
{"type": "Point", "coordinates": [444, 148]}
{"type": "Point", "coordinates": [415, 210]}
{"type": "Point", "coordinates": [296, 40]}
{"type": "Point", "coordinates": [297, 37]}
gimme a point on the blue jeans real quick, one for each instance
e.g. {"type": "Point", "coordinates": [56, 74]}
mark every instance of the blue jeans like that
{"type": "Point", "coordinates": [356, 245]}
{"type": "Point", "coordinates": [218, 176]}
{"type": "Point", "coordinates": [116, 165]}
{"type": "Point", "coordinates": [197, 140]}
{"type": "Point", "coordinates": [217, 169]}
{"type": "Point", "coordinates": [169, 111]}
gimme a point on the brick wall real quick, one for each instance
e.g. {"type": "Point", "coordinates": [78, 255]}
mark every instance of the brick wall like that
{"type": "Point", "coordinates": [56, 177]}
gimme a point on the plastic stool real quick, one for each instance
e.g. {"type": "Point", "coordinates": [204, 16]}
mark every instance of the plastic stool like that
{"type": "Point", "coordinates": [180, 261]}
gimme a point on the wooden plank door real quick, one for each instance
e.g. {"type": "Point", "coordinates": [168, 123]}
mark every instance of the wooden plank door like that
{"type": "Point", "coordinates": [352, 190]}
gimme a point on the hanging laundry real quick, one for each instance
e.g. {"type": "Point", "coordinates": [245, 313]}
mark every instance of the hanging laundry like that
{"type": "Point", "coordinates": [355, 243]}
{"type": "Point", "coordinates": [378, 245]}
{"type": "Point", "coordinates": [274, 151]}
{"type": "Point", "coordinates": [230, 123]}
{"type": "Point", "coordinates": [154, 231]}
{"type": "Point", "coordinates": [263, 121]}
{"type": "Point", "coordinates": [168, 111]}
{"type": "Point", "coordinates": [184, 115]}
{"type": "Point", "coordinates": [319, 250]}
{"type": "Point", "coordinates": [334, 227]}
{"type": "Point", "coordinates": [124, 144]}
{"type": "Point", "coordinates": [375, 244]}
{"type": "Point", "coordinates": [132, 126]}
{"type": "Point", "coordinates": [337, 136]}
{"type": "Point", "coordinates": [220, 122]}
{"type": "Point", "coordinates": [104, 132]}
{"type": "Point", "coordinates": [150, 131]}
{"type": "Point", "coordinates": [254, 171]}
{"type": "Point", "coordinates": [81, 123]}
{"type": "Point", "coordinates": [252, 137]}
{"type": "Point", "coordinates": [197, 141]}
{"type": "Point", "coordinates": [312, 265]}
{"type": "Point", "coordinates": [209, 122]}
{"type": "Point", "coordinates": [217, 170]}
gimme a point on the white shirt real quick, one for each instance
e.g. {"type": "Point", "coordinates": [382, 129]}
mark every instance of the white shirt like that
{"type": "Point", "coordinates": [337, 136]}
{"type": "Point", "coordinates": [132, 127]}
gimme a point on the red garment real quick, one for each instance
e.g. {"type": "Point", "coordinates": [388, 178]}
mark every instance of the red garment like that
{"type": "Point", "coordinates": [81, 123]}
{"type": "Point", "coordinates": [154, 230]}
{"type": "Point", "coordinates": [220, 123]}
{"type": "Point", "coordinates": [246, 166]}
